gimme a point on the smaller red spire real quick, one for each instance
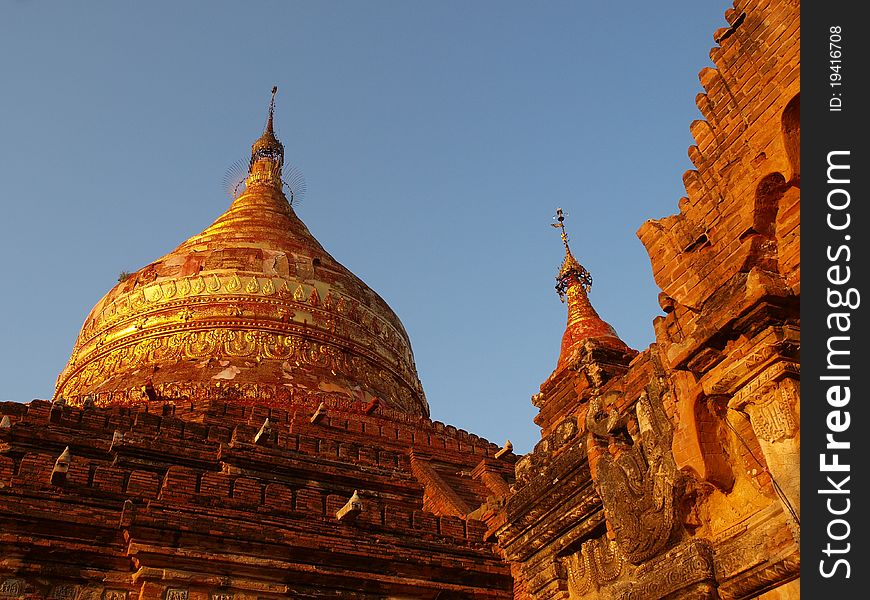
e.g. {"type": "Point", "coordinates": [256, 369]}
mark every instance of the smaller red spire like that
{"type": "Point", "coordinates": [574, 282]}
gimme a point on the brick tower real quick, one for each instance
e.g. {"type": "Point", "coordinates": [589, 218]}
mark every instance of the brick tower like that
{"type": "Point", "coordinates": [674, 473]}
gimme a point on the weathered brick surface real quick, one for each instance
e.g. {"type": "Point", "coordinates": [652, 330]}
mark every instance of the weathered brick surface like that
{"type": "Point", "coordinates": [143, 484]}
{"type": "Point", "coordinates": [109, 479]}
{"type": "Point", "coordinates": [215, 485]}
{"type": "Point", "coordinates": [190, 492]}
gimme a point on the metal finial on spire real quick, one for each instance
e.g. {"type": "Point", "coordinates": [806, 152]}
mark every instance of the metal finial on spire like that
{"type": "Point", "coordinates": [560, 216]}
{"type": "Point", "coordinates": [572, 272]}
{"type": "Point", "coordinates": [271, 108]}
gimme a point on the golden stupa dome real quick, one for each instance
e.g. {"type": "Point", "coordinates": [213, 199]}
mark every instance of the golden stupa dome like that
{"type": "Point", "coordinates": [252, 309]}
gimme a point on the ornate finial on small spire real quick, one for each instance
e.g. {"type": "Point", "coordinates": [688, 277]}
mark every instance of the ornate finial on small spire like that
{"type": "Point", "coordinates": [560, 216]}
{"type": "Point", "coordinates": [571, 271]}
{"type": "Point", "coordinates": [268, 152]}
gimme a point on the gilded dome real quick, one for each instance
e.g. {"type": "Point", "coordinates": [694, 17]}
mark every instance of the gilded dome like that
{"type": "Point", "coordinates": [254, 309]}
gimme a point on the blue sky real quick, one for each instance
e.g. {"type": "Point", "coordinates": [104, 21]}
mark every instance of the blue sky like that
{"type": "Point", "coordinates": [436, 140]}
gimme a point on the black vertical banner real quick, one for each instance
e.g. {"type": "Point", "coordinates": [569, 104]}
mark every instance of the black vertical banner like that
{"type": "Point", "coordinates": [835, 364]}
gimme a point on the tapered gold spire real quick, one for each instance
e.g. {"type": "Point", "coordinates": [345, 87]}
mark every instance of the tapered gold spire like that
{"type": "Point", "coordinates": [574, 283]}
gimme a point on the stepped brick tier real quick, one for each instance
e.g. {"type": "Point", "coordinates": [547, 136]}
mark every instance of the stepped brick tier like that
{"type": "Point", "coordinates": [674, 472]}
{"type": "Point", "coordinates": [200, 500]}
{"type": "Point", "coordinates": [242, 418]}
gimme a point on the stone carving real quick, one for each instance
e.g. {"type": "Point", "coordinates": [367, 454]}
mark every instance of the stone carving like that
{"type": "Point", "coordinates": [176, 594]}
{"type": "Point", "coordinates": [597, 564]}
{"type": "Point", "coordinates": [64, 591]}
{"type": "Point", "coordinates": [764, 380]}
{"type": "Point", "coordinates": [635, 476]}
{"type": "Point", "coordinates": [114, 594]}
{"type": "Point", "coordinates": [528, 465]}
{"type": "Point", "coordinates": [773, 418]}
{"type": "Point", "coordinates": [687, 569]}
{"type": "Point", "coordinates": [595, 374]}
{"type": "Point", "coordinates": [11, 588]}
{"type": "Point", "coordinates": [771, 404]}
{"type": "Point", "coordinates": [761, 577]}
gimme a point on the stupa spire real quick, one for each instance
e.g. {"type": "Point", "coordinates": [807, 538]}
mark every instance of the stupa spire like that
{"type": "Point", "coordinates": [267, 154]}
{"type": "Point", "coordinates": [574, 283]}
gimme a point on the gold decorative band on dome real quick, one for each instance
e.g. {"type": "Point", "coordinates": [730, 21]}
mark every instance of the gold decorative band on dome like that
{"type": "Point", "coordinates": [218, 345]}
{"type": "Point", "coordinates": [238, 316]}
{"type": "Point", "coordinates": [233, 335]}
{"type": "Point", "coordinates": [147, 302]}
{"type": "Point", "coordinates": [234, 283]}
